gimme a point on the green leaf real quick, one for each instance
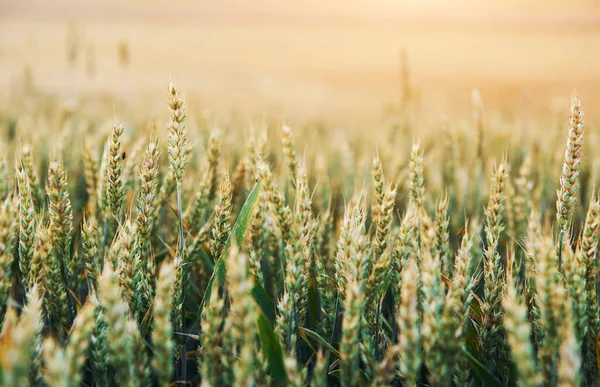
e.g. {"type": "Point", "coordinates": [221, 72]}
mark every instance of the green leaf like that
{"type": "Point", "coordinates": [238, 231]}
{"type": "Point", "coordinates": [271, 348]}
{"type": "Point", "coordinates": [598, 353]}
{"type": "Point", "coordinates": [207, 260]}
{"type": "Point", "coordinates": [262, 299]}
{"type": "Point", "coordinates": [486, 376]}
{"type": "Point", "coordinates": [307, 333]}
{"type": "Point", "coordinates": [243, 221]}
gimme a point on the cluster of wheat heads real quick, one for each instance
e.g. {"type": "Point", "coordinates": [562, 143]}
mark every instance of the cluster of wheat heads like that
{"type": "Point", "coordinates": [123, 264]}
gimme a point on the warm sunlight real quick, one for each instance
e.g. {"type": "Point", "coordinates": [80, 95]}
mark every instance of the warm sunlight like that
{"type": "Point", "coordinates": [315, 193]}
{"type": "Point", "coordinates": [295, 56]}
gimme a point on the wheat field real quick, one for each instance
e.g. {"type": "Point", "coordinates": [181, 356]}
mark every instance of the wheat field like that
{"type": "Point", "coordinates": [175, 246]}
{"type": "Point", "coordinates": [181, 254]}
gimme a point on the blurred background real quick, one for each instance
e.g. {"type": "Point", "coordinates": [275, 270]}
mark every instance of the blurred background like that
{"type": "Point", "coordinates": [349, 62]}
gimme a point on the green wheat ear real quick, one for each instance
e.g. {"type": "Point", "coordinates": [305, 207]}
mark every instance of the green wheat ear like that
{"type": "Point", "coordinates": [26, 224]}
{"type": "Point", "coordinates": [115, 194]}
{"type": "Point", "coordinates": [178, 147]}
{"type": "Point", "coordinates": [569, 178]}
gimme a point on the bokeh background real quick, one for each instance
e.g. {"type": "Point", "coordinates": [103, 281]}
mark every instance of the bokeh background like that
{"type": "Point", "coordinates": [349, 62]}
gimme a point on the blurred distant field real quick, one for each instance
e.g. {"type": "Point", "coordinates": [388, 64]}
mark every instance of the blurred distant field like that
{"type": "Point", "coordinates": [338, 61]}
